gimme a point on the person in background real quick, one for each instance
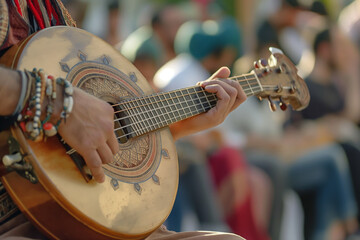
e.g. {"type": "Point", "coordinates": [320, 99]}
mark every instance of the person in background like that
{"type": "Point", "coordinates": [201, 48]}
{"type": "Point", "coordinates": [94, 140]}
{"type": "Point", "coordinates": [333, 113]}
{"type": "Point", "coordinates": [196, 192]}
{"type": "Point", "coordinates": [144, 51]}
{"type": "Point", "coordinates": [113, 36]}
{"type": "Point", "coordinates": [165, 23]}
{"type": "Point", "coordinates": [318, 168]}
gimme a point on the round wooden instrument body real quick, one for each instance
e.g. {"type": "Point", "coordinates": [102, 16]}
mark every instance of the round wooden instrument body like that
{"type": "Point", "coordinates": [141, 183]}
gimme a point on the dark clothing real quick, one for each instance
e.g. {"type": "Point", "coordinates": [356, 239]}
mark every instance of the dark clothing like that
{"type": "Point", "coordinates": [325, 99]}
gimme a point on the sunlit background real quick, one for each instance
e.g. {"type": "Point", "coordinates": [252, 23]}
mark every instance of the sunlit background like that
{"type": "Point", "coordinates": [261, 174]}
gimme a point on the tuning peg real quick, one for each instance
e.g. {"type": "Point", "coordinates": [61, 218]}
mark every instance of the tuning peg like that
{"type": "Point", "coordinates": [261, 63]}
{"type": "Point", "coordinates": [10, 159]}
{"type": "Point", "coordinates": [274, 50]}
{"type": "Point", "coordinates": [282, 105]}
{"type": "Point", "coordinates": [272, 104]}
{"type": "Point", "coordinates": [292, 89]}
{"type": "Point", "coordinates": [264, 62]}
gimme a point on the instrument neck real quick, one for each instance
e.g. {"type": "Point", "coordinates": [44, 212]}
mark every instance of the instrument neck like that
{"type": "Point", "coordinates": [149, 113]}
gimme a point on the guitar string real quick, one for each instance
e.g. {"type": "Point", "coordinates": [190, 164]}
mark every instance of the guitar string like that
{"type": "Point", "coordinates": [178, 103]}
{"type": "Point", "coordinates": [149, 118]}
{"type": "Point", "coordinates": [163, 98]}
{"type": "Point", "coordinates": [145, 127]}
{"type": "Point", "coordinates": [169, 105]}
{"type": "Point", "coordinates": [159, 125]}
{"type": "Point", "coordinates": [193, 87]}
{"type": "Point", "coordinates": [162, 114]}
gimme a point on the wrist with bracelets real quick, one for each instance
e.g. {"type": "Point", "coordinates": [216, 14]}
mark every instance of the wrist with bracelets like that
{"type": "Point", "coordinates": [7, 121]}
{"type": "Point", "coordinates": [42, 97]}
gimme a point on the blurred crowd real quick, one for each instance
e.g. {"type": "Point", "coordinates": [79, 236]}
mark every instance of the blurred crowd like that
{"type": "Point", "coordinates": [261, 174]}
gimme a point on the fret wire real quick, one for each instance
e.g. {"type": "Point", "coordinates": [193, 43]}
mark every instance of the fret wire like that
{"type": "Point", "coordinates": [246, 81]}
{"type": "Point", "coordinates": [232, 78]}
{"type": "Point", "coordinates": [249, 84]}
{"type": "Point", "coordinates": [157, 108]}
{"type": "Point", "coordinates": [146, 120]}
{"type": "Point", "coordinates": [251, 79]}
{"type": "Point", "coordinates": [156, 125]}
{"type": "Point", "coordinates": [140, 115]}
{"type": "Point", "coordinates": [202, 90]}
{"type": "Point", "coordinates": [244, 78]}
{"type": "Point", "coordinates": [174, 104]}
{"type": "Point", "coordinates": [167, 102]}
{"type": "Point", "coordinates": [154, 116]}
{"type": "Point", "coordinates": [176, 118]}
{"type": "Point", "coordinates": [182, 117]}
{"type": "Point", "coordinates": [213, 97]}
{"type": "Point", "coordinates": [197, 111]}
{"type": "Point", "coordinates": [132, 117]}
{"type": "Point", "coordinates": [189, 102]}
{"type": "Point", "coordinates": [207, 99]}
{"type": "Point", "coordinates": [245, 89]}
{"type": "Point", "coordinates": [182, 102]}
{"type": "Point", "coordinates": [160, 113]}
{"type": "Point", "coordinates": [194, 104]}
{"type": "Point", "coordinates": [150, 114]}
{"type": "Point", "coordinates": [136, 117]}
{"type": "Point", "coordinates": [197, 94]}
{"type": "Point", "coordinates": [170, 104]}
{"type": "Point", "coordinates": [178, 100]}
{"type": "Point", "coordinates": [141, 102]}
{"type": "Point", "coordinates": [153, 113]}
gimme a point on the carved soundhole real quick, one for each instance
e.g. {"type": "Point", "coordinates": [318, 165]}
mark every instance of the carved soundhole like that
{"type": "Point", "coordinates": [139, 157]}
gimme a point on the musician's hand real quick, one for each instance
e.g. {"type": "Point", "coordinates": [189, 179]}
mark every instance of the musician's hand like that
{"type": "Point", "coordinates": [90, 131]}
{"type": "Point", "coordinates": [230, 95]}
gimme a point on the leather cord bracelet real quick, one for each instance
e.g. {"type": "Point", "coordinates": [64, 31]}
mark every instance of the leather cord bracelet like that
{"type": "Point", "coordinates": [7, 121]}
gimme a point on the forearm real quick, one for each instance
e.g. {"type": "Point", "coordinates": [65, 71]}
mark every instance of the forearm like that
{"type": "Point", "coordinates": [195, 124]}
{"type": "Point", "coordinates": [10, 87]}
{"type": "Point", "coordinates": [182, 129]}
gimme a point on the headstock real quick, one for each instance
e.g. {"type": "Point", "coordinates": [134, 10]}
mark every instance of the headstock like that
{"type": "Point", "coordinates": [279, 81]}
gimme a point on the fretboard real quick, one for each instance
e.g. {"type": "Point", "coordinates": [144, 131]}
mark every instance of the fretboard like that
{"type": "Point", "coordinates": [149, 113]}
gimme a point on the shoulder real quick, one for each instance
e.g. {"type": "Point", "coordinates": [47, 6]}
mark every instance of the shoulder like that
{"type": "Point", "coordinates": [65, 14]}
{"type": "Point", "coordinates": [182, 71]}
{"type": "Point", "coordinates": [4, 21]}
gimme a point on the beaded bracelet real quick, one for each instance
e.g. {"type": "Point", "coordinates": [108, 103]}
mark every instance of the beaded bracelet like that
{"type": "Point", "coordinates": [44, 86]}
{"type": "Point", "coordinates": [68, 99]}
{"type": "Point", "coordinates": [35, 131]}
{"type": "Point", "coordinates": [7, 121]}
{"type": "Point", "coordinates": [49, 129]}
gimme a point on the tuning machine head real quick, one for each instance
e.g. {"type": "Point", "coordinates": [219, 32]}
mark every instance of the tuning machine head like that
{"type": "Point", "coordinates": [277, 77]}
{"type": "Point", "coordinates": [272, 105]}
{"type": "Point", "coordinates": [261, 63]}
{"type": "Point", "coordinates": [282, 105]}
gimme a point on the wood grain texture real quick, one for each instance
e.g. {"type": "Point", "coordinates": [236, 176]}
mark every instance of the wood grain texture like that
{"type": "Point", "coordinates": [62, 204]}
